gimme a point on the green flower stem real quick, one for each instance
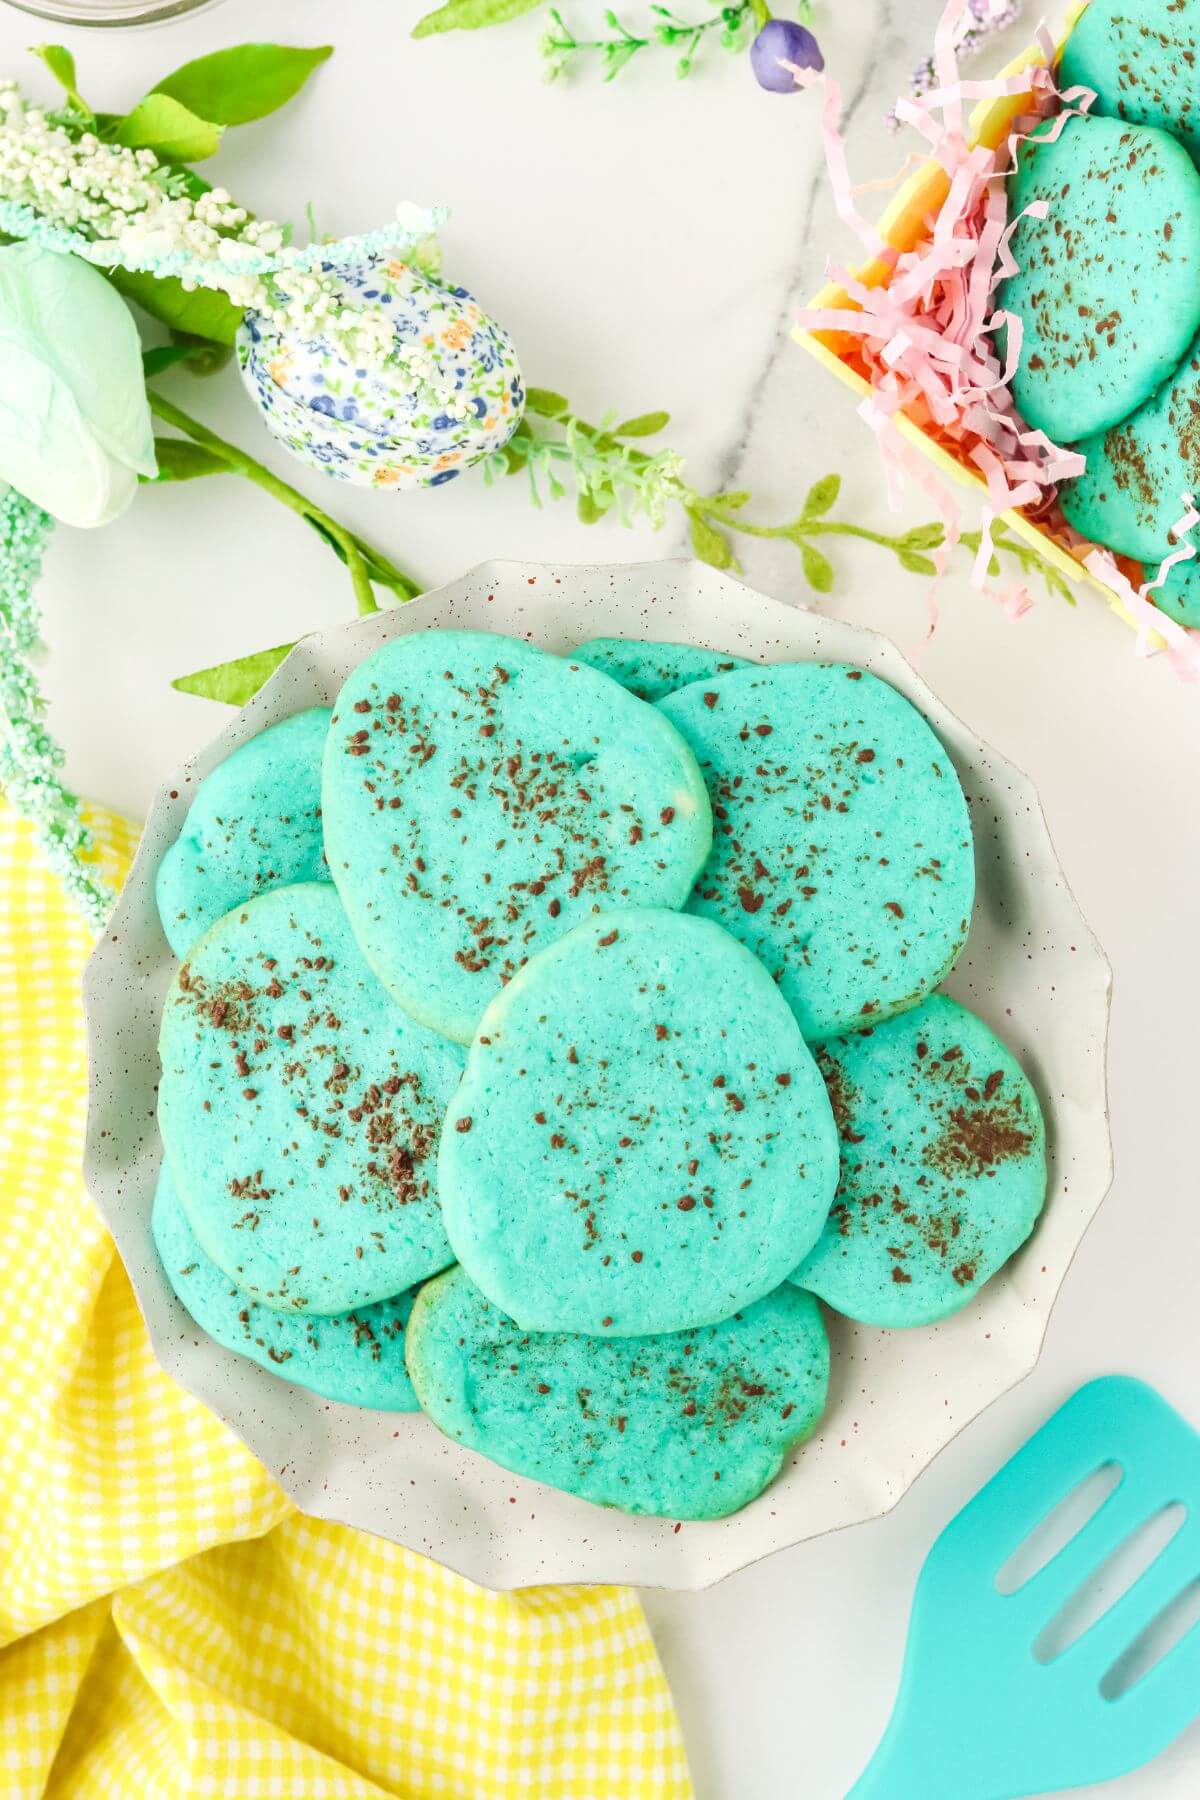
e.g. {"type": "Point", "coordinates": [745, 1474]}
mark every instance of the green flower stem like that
{"type": "Point", "coordinates": [613, 476]}
{"type": "Point", "coordinates": [715, 508]}
{"type": "Point", "coordinates": [1027, 559]}
{"type": "Point", "coordinates": [364, 563]}
{"type": "Point", "coordinates": [668, 31]}
{"type": "Point", "coordinates": [799, 528]}
{"type": "Point", "coordinates": [364, 593]}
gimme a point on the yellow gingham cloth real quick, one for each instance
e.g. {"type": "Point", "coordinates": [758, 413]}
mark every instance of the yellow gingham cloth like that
{"type": "Point", "coordinates": [170, 1626]}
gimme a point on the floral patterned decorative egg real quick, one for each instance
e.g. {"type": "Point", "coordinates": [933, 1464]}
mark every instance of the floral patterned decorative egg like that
{"type": "Point", "coordinates": [449, 393]}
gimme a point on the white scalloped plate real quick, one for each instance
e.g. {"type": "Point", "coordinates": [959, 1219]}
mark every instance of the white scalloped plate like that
{"type": "Point", "coordinates": [1031, 967]}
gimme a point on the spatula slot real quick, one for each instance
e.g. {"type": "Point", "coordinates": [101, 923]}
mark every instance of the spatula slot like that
{"type": "Point", "coordinates": [1151, 1646]}
{"type": "Point", "coordinates": [1059, 1526]}
{"type": "Point", "coordinates": [1112, 1578]}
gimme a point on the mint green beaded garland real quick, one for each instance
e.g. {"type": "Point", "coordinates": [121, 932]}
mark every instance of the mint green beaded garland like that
{"type": "Point", "coordinates": [30, 760]}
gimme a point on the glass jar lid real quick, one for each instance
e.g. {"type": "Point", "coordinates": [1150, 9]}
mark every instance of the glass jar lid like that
{"type": "Point", "coordinates": [108, 12]}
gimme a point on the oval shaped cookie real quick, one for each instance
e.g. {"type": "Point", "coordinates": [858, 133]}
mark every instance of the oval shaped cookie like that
{"type": "Point", "coordinates": [1179, 595]}
{"type": "Point", "coordinates": [943, 1166]}
{"type": "Point", "coordinates": [690, 1425]}
{"type": "Point", "coordinates": [1131, 492]}
{"type": "Point", "coordinates": [1108, 288]}
{"type": "Point", "coordinates": [354, 1356]}
{"type": "Point", "coordinates": [1139, 58]}
{"type": "Point", "coordinates": [300, 1109]}
{"type": "Point", "coordinates": [481, 797]}
{"type": "Point", "coordinates": [254, 824]}
{"type": "Point", "coordinates": [651, 669]}
{"type": "Point", "coordinates": [841, 843]}
{"type": "Point", "coordinates": [641, 1139]}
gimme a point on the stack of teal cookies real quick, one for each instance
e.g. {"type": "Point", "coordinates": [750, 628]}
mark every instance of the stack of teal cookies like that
{"type": "Point", "coordinates": [1107, 291]}
{"type": "Point", "coordinates": [553, 1035]}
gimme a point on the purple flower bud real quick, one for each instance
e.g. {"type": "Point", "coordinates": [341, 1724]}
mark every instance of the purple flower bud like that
{"type": "Point", "coordinates": [783, 41]}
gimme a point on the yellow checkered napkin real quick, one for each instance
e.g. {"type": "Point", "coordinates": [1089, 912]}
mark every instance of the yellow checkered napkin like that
{"type": "Point", "coordinates": [171, 1627]}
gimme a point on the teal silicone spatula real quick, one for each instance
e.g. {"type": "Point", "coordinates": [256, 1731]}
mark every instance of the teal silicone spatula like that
{"type": "Point", "coordinates": [978, 1716]}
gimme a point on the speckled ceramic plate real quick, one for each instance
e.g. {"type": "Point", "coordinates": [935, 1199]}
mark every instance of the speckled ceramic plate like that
{"type": "Point", "coordinates": [1031, 968]}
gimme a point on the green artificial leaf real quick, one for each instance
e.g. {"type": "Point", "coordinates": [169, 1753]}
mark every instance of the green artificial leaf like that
{"type": "Point", "coordinates": [820, 497]}
{"type": "Point", "coordinates": [471, 15]}
{"type": "Point", "coordinates": [925, 537]}
{"type": "Point", "coordinates": [617, 55]}
{"type": "Point", "coordinates": [234, 682]}
{"type": "Point", "coordinates": [727, 503]}
{"type": "Point", "coordinates": [192, 185]}
{"type": "Point", "coordinates": [545, 403]}
{"type": "Point", "coordinates": [245, 82]}
{"type": "Point", "coordinates": [818, 570]}
{"type": "Point", "coordinates": [710, 545]}
{"type": "Point", "coordinates": [1058, 584]}
{"type": "Point", "coordinates": [200, 355]}
{"type": "Point", "coordinates": [61, 64]}
{"type": "Point", "coordinates": [645, 425]}
{"type": "Point", "coordinates": [163, 356]}
{"type": "Point", "coordinates": [180, 461]}
{"type": "Point", "coordinates": [204, 313]}
{"type": "Point", "coordinates": [170, 129]}
{"type": "Point", "coordinates": [589, 508]}
{"type": "Point", "coordinates": [916, 564]}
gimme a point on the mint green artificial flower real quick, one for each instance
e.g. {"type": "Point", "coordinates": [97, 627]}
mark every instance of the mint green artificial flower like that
{"type": "Point", "coordinates": [75, 429]}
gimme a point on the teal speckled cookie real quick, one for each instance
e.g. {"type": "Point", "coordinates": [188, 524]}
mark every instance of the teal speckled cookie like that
{"type": "Point", "coordinates": [943, 1166]}
{"type": "Point", "coordinates": [481, 797]}
{"type": "Point", "coordinates": [650, 669]}
{"type": "Point", "coordinates": [1179, 595]}
{"type": "Point", "coordinates": [353, 1356]}
{"type": "Point", "coordinates": [841, 843]}
{"type": "Point", "coordinates": [641, 1140]}
{"type": "Point", "coordinates": [300, 1109]}
{"type": "Point", "coordinates": [1131, 492]}
{"type": "Point", "coordinates": [690, 1425]}
{"type": "Point", "coordinates": [1139, 58]}
{"type": "Point", "coordinates": [255, 824]}
{"type": "Point", "coordinates": [1108, 289]}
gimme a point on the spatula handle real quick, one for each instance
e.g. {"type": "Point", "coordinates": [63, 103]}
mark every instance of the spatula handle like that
{"type": "Point", "coordinates": [886, 1777]}
{"type": "Point", "coordinates": [908, 1768]}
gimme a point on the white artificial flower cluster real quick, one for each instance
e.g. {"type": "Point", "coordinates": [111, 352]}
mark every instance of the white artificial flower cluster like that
{"type": "Point", "coordinates": [118, 198]}
{"type": "Point", "coordinates": [305, 303]}
{"type": "Point", "coordinates": [134, 212]}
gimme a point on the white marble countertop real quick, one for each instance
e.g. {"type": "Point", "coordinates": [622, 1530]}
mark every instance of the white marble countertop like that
{"type": "Point", "coordinates": [644, 243]}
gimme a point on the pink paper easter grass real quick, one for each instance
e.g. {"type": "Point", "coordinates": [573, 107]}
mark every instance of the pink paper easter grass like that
{"type": "Point", "coordinates": [918, 325]}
